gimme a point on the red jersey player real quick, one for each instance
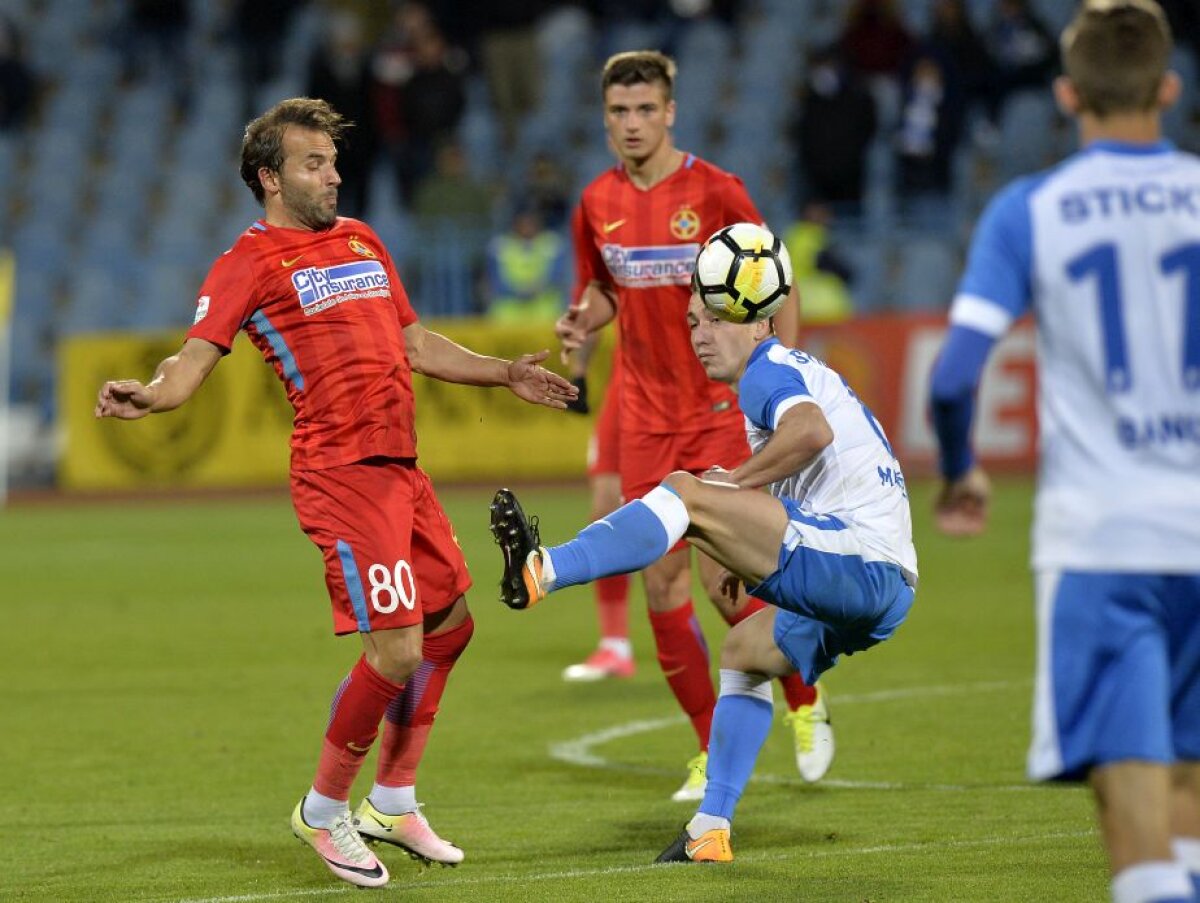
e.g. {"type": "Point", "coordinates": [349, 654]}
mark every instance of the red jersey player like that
{"type": "Point", "coordinates": [320, 298]}
{"type": "Point", "coordinates": [637, 230]}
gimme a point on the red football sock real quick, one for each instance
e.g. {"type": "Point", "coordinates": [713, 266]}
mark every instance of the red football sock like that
{"type": "Point", "coordinates": [683, 656]}
{"type": "Point", "coordinates": [751, 606]}
{"type": "Point", "coordinates": [795, 690]}
{"type": "Point", "coordinates": [612, 604]}
{"type": "Point", "coordinates": [410, 717]}
{"type": "Point", "coordinates": [354, 716]}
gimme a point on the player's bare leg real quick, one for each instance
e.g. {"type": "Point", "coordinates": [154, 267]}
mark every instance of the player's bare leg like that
{"type": "Point", "coordinates": [807, 718]}
{"type": "Point", "coordinates": [1185, 818]}
{"type": "Point", "coordinates": [1134, 807]}
{"type": "Point", "coordinates": [390, 813]}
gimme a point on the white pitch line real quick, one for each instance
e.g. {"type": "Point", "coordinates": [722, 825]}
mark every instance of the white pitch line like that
{"type": "Point", "coordinates": [579, 751]}
{"type": "Point", "coordinates": [434, 884]}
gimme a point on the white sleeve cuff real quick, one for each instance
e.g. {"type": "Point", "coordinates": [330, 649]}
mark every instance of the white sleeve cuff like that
{"type": "Point", "coordinates": [980, 314]}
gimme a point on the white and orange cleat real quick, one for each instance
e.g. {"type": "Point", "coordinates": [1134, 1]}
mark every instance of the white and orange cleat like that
{"type": "Point", "coordinates": [522, 584]}
{"type": "Point", "coordinates": [601, 664]}
{"type": "Point", "coordinates": [408, 831]}
{"type": "Point", "coordinates": [711, 846]}
{"type": "Point", "coordinates": [342, 850]}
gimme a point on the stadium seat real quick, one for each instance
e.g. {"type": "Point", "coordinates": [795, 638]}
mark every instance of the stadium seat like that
{"type": "Point", "coordinates": [96, 302]}
{"type": "Point", "coordinates": [927, 272]}
{"type": "Point", "coordinates": [1027, 133]}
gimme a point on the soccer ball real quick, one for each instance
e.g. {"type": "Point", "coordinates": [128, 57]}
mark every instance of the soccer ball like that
{"type": "Point", "coordinates": [743, 273]}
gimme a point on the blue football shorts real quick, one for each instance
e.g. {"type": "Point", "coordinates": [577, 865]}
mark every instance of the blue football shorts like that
{"type": "Point", "coordinates": [834, 602]}
{"type": "Point", "coordinates": [1118, 673]}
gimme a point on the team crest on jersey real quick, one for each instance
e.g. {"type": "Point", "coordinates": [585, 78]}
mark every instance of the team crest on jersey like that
{"type": "Point", "coordinates": [685, 223]}
{"type": "Point", "coordinates": [359, 248]}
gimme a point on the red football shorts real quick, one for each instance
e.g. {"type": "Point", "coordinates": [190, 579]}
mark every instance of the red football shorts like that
{"type": "Point", "coordinates": [391, 556]}
{"type": "Point", "coordinates": [648, 457]}
{"type": "Point", "coordinates": [604, 455]}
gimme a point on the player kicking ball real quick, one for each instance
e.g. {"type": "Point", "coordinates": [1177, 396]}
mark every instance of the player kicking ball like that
{"type": "Point", "coordinates": [830, 548]}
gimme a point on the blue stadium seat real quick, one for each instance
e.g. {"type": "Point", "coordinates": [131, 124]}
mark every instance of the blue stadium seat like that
{"type": "Point", "coordinates": [928, 270]}
{"type": "Point", "coordinates": [96, 302]}
{"type": "Point", "coordinates": [1027, 133]}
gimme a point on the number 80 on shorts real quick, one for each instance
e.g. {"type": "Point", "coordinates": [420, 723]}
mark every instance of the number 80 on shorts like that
{"type": "Point", "coordinates": [392, 587]}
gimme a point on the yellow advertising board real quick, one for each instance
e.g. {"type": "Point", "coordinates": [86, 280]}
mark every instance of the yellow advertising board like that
{"type": "Point", "coordinates": [234, 431]}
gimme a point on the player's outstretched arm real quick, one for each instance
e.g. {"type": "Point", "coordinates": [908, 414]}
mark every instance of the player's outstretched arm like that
{"type": "Point", "coordinates": [432, 354]}
{"type": "Point", "coordinates": [801, 434]}
{"type": "Point", "coordinates": [175, 381]}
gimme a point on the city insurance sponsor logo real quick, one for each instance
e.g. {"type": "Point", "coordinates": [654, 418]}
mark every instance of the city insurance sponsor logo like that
{"type": "Point", "coordinates": [318, 288]}
{"type": "Point", "coordinates": [650, 266]}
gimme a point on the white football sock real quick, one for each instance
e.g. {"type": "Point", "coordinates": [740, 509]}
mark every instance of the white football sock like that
{"type": "Point", "coordinates": [393, 800]}
{"type": "Point", "coordinates": [547, 570]}
{"type": "Point", "coordinates": [620, 645]}
{"type": "Point", "coordinates": [321, 811]}
{"type": "Point", "coordinates": [1146, 882]}
{"type": "Point", "coordinates": [702, 822]}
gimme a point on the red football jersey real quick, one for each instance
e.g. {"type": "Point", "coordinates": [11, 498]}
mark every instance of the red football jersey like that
{"type": "Point", "coordinates": [327, 311]}
{"type": "Point", "coordinates": [644, 244]}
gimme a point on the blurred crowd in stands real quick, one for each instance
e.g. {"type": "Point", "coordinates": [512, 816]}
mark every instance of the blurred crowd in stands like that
{"type": "Point", "coordinates": [868, 131]}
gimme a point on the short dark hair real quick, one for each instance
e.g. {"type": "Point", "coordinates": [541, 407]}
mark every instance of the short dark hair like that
{"type": "Point", "coordinates": [262, 144]}
{"type": "Point", "coordinates": [1115, 53]}
{"type": "Point", "coordinates": [639, 67]}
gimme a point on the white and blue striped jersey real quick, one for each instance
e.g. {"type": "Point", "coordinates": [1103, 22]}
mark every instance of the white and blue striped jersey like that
{"type": "Point", "coordinates": [856, 477]}
{"type": "Point", "coordinates": [1105, 250]}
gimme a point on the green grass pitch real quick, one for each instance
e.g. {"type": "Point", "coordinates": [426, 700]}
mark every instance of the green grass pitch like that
{"type": "Point", "coordinates": [167, 666]}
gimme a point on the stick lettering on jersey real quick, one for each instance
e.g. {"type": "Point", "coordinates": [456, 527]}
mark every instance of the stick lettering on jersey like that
{"type": "Point", "coordinates": [1166, 429]}
{"type": "Point", "coordinates": [320, 288]}
{"type": "Point", "coordinates": [646, 267]}
{"type": "Point", "coordinates": [1149, 198]}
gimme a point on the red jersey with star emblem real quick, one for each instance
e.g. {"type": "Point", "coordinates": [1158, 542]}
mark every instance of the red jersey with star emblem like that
{"type": "Point", "coordinates": [327, 311]}
{"type": "Point", "coordinates": [644, 244]}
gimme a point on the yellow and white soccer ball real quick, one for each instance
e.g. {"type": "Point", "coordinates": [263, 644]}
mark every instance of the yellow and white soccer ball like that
{"type": "Point", "coordinates": [743, 273]}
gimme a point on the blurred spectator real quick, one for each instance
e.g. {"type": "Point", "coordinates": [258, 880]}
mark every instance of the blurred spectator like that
{"type": "Point", "coordinates": [155, 44]}
{"type": "Point", "coordinates": [836, 124]}
{"type": "Point", "coordinates": [930, 126]}
{"type": "Point", "coordinates": [17, 84]}
{"type": "Point", "coordinates": [527, 271]}
{"type": "Point", "coordinates": [340, 73]}
{"type": "Point", "coordinates": [821, 275]}
{"type": "Point", "coordinates": [1023, 50]}
{"type": "Point", "coordinates": [875, 41]}
{"type": "Point", "coordinates": [259, 29]}
{"type": "Point", "coordinates": [547, 188]}
{"type": "Point", "coordinates": [449, 192]}
{"type": "Point", "coordinates": [420, 93]}
{"type": "Point", "coordinates": [511, 60]}
{"type": "Point", "coordinates": [960, 52]}
{"type": "Point", "coordinates": [453, 217]}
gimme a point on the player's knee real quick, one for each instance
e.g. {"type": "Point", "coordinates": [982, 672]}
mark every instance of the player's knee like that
{"type": "Point", "coordinates": [682, 483]}
{"type": "Point", "coordinates": [737, 650]}
{"type": "Point", "coordinates": [395, 661]}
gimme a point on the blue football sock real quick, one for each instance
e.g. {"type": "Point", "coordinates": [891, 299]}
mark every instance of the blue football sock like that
{"type": "Point", "coordinates": [740, 726]}
{"type": "Point", "coordinates": [635, 535]}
